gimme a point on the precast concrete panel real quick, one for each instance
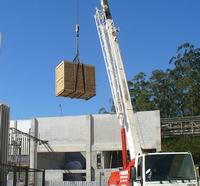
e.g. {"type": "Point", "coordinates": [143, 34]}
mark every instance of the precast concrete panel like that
{"type": "Point", "coordinates": [65, 134]}
{"type": "Point", "coordinates": [22, 125]}
{"type": "Point", "coordinates": [149, 124]}
{"type": "Point", "coordinates": [106, 133]}
{"type": "Point", "coordinates": [101, 131]}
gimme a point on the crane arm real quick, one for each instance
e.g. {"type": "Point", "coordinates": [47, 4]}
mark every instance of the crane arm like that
{"type": "Point", "coordinates": [106, 9]}
{"type": "Point", "coordinates": [117, 78]}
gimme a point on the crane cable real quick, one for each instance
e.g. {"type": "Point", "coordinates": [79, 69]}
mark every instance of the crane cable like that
{"type": "Point", "coordinates": [79, 67]}
{"type": "Point", "coordinates": [77, 30]}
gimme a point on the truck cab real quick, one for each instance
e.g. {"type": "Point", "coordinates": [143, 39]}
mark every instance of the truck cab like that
{"type": "Point", "coordinates": [167, 169]}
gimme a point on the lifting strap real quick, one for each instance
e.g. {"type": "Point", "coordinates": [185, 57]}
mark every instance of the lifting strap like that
{"type": "Point", "coordinates": [77, 62]}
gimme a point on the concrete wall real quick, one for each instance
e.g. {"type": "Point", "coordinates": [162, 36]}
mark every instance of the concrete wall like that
{"type": "Point", "coordinates": [70, 134]}
{"type": "Point", "coordinates": [23, 125]}
{"type": "Point", "coordinates": [88, 135]}
{"type": "Point", "coordinates": [150, 129]}
{"type": "Point", "coordinates": [65, 134]}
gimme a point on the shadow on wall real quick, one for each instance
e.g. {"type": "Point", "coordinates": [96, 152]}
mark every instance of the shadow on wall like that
{"type": "Point", "coordinates": [66, 161]}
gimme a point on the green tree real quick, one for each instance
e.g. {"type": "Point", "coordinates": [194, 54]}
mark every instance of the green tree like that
{"type": "Point", "coordinates": [175, 92]}
{"type": "Point", "coordinates": [186, 79]}
{"type": "Point", "coordinates": [162, 92]}
{"type": "Point", "coordinates": [140, 92]}
{"type": "Point", "coordinates": [182, 144]}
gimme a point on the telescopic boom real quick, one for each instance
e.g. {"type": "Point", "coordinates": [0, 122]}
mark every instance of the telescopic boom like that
{"type": "Point", "coordinates": [117, 77]}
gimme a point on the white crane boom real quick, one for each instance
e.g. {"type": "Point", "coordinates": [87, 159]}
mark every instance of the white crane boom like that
{"type": "Point", "coordinates": [117, 77]}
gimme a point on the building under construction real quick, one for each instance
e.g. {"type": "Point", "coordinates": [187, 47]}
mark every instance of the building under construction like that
{"type": "Point", "coordinates": [88, 149]}
{"type": "Point", "coordinates": [76, 148]}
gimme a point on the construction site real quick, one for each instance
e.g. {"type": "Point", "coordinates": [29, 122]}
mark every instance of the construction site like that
{"type": "Point", "coordinates": [123, 147]}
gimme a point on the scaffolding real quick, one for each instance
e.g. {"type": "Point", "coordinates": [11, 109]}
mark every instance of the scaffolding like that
{"type": "Point", "coordinates": [18, 175]}
{"type": "Point", "coordinates": [19, 146]}
{"type": "Point", "coordinates": [179, 126]}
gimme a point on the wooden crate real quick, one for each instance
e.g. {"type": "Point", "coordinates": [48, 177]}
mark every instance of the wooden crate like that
{"type": "Point", "coordinates": [90, 86]}
{"type": "Point", "coordinates": [75, 80]}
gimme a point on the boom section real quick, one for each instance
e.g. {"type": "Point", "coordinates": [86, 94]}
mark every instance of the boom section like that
{"type": "Point", "coordinates": [117, 78]}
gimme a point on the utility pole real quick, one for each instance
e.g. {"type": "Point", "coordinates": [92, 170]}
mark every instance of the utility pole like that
{"type": "Point", "coordinates": [61, 112]}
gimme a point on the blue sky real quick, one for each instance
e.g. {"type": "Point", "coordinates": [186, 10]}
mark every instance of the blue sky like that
{"type": "Point", "coordinates": [38, 34]}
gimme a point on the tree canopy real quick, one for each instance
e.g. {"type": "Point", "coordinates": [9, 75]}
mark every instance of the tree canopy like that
{"type": "Point", "coordinates": [175, 92]}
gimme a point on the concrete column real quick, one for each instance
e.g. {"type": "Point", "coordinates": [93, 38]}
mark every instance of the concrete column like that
{"type": "Point", "coordinates": [89, 147]}
{"type": "Point", "coordinates": [15, 147]}
{"type": "Point", "coordinates": [15, 124]}
{"type": "Point", "coordinates": [4, 137]}
{"type": "Point", "coordinates": [33, 149]}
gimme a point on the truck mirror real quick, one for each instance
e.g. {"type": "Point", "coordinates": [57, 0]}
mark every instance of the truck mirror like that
{"type": "Point", "coordinates": [133, 173]}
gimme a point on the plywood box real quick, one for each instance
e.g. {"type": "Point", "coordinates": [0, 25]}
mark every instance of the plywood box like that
{"type": "Point", "coordinates": [75, 80]}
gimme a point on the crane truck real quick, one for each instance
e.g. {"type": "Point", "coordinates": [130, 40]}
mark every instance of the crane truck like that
{"type": "Point", "coordinates": [145, 168]}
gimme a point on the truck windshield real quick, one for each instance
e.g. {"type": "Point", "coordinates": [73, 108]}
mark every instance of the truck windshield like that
{"type": "Point", "coordinates": [167, 167]}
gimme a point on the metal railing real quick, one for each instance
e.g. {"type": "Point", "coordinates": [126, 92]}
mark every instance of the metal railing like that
{"type": "Point", "coordinates": [74, 183]}
{"type": "Point", "coordinates": [19, 146]}
{"type": "Point", "coordinates": [17, 175]}
{"type": "Point", "coordinates": [172, 127]}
